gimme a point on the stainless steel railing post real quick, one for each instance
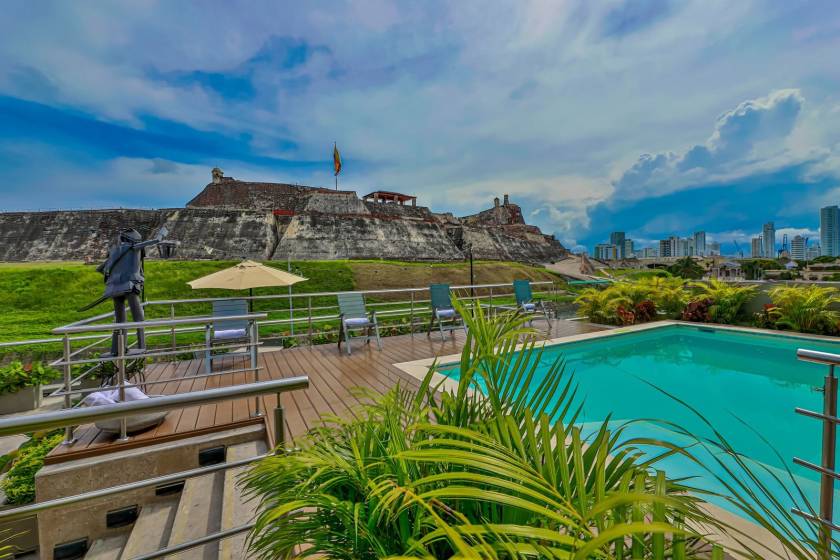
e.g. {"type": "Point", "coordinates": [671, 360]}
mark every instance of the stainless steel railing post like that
{"type": "Point", "coordinates": [121, 379]}
{"type": "Point", "coordinates": [253, 332]}
{"type": "Point", "coordinates": [172, 330]}
{"type": "Point", "coordinates": [69, 437]}
{"type": "Point", "coordinates": [279, 424]}
{"type": "Point", "coordinates": [411, 316]}
{"type": "Point", "coordinates": [309, 314]}
{"type": "Point", "coordinates": [829, 440]}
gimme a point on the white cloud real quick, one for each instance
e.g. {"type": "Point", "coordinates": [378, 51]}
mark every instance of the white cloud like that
{"type": "Point", "coordinates": [456, 102]}
{"type": "Point", "coordinates": [750, 137]}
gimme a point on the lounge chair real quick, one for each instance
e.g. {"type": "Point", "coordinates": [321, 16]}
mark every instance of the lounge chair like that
{"type": "Point", "coordinates": [226, 332]}
{"type": "Point", "coordinates": [354, 316]}
{"type": "Point", "coordinates": [526, 303]}
{"type": "Point", "coordinates": [443, 310]}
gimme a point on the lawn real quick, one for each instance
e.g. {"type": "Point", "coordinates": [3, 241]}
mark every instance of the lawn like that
{"type": "Point", "coordinates": [37, 297]}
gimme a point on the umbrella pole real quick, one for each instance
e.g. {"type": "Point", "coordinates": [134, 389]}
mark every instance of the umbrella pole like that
{"type": "Point", "coordinates": [250, 301]}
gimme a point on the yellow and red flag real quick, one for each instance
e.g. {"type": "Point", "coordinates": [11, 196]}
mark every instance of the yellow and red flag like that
{"type": "Point", "coordinates": [336, 160]}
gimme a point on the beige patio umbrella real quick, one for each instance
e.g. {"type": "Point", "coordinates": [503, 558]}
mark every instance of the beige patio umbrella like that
{"type": "Point", "coordinates": [246, 275]}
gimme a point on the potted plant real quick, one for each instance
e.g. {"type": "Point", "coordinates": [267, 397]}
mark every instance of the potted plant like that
{"type": "Point", "coordinates": [20, 386]}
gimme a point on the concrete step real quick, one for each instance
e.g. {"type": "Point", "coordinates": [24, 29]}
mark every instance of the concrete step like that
{"type": "Point", "coordinates": [198, 514]}
{"type": "Point", "coordinates": [107, 548]}
{"type": "Point", "coordinates": [236, 510]}
{"type": "Point", "coordinates": [152, 528]}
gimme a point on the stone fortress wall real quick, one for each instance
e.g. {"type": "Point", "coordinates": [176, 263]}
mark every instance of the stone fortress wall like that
{"type": "Point", "coordinates": [231, 219]}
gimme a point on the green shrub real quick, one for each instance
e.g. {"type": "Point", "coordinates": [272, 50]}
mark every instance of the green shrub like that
{"type": "Point", "coordinates": [19, 484]}
{"type": "Point", "coordinates": [16, 376]}
{"type": "Point", "coordinates": [806, 308]}
{"type": "Point", "coordinates": [727, 299]}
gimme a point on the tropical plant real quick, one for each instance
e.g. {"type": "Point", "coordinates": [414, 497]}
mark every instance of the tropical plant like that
{"type": "Point", "coordinates": [496, 468]}
{"type": "Point", "coordinates": [15, 376]}
{"type": "Point", "coordinates": [728, 299]}
{"type": "Point", "coordinates": [19, 483]}
{"type": "Point", "coordinates": [687, 268]}
{"type": "Point", "coordinates": [668, 293]}
{"type": "Point", "coordinates": [806, 308]}
{"type": "Point", "coordinates": [645, 311]}
{"type": "Point", "coordinates": [698, 311]}
{"type": "Point", "coordinates": [600, 305]}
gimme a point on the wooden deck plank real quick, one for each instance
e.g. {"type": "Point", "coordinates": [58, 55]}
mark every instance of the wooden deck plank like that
{"type": "Point", "coordinates": [334, 376]}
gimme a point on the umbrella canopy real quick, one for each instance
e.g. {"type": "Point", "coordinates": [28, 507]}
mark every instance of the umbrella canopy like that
{"type": "Point", "coordinates": [244, 276]}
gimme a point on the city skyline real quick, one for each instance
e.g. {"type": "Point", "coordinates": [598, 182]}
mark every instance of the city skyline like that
{"type": "Point", "coordinates": [825, 241]}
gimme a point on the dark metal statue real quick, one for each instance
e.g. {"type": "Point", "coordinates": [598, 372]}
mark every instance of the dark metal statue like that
{"type": "Point", "coordinates": [123, 271]}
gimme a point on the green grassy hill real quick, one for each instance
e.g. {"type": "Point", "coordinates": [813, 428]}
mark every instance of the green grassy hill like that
{"type": "Point", "coordinates": [37, 297]}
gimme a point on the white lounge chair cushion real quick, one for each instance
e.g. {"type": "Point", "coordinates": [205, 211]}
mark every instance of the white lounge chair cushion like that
{"type": "Point", "coordinates": [226, 334]}
{"type": "Point", "coordinates": [356, 322]}
{"type": "Point", "coordinates": [444, 313]}
{"type": "Point", "coordinates": [528, 306]}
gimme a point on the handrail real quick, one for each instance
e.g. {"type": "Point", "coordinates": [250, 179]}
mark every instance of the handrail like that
{"type": "Point", "coordinates": [32, 509]}
{"type": "Point", "coordinates": [72, 417]}
{"type": "Point", "coordinates": [818, 357]}
{"type": "Point", "coordinates": [158, 323]}
{"type": "Point", "coordinates": [826, 468]}
{"type": "Point", "coordinates": [327, 294]}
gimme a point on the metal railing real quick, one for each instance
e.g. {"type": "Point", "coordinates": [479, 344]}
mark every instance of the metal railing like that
{"type": "Point", "coordinates": [64, 418]}
{"type": "Point", "coordinates": [300, 314]}
{"type": "Point", "coordinates": [125, 354]}
{"type": "Point", "coordinates": [825, 518]}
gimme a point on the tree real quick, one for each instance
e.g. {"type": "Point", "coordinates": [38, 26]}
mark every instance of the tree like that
{"type": "Point", "coordinates": [687, 268]}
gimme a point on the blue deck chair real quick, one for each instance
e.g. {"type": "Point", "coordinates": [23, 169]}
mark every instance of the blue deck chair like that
{"type": "Point", "coordinates": [526, 303]}
{"type": "Point", "coordinates": [226, 332]}
{"type": "Point", "coordinates": [354, 316]}
{"type": "Point", "coordinates": [443, 310]}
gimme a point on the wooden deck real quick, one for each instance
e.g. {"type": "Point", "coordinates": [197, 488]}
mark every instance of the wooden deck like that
{"type": "Point", "coordinates": [332, 377]}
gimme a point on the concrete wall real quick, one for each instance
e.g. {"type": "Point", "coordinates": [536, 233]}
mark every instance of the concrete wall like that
{"type": "Point", "coordinates": [318, 237]}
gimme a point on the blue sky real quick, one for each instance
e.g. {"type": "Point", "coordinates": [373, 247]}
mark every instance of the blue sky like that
{"type": "Point", "coordinates": [655, 117]}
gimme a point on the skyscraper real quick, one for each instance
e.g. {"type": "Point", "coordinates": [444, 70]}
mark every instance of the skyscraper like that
{"type": "Point", "coordinates": [756, 249]}
{"type": "Point", "coordinates": [768, 234]}
{"type": "Point", "coordinates": [797, 248]}
{"type": "Point", "coordinates": [617, 239]}
{"type": "Point", "coordinates": [665, 248]}
{"type": "Point", "coordinates": [606, 252]}
{"type": "Point", "coordinates": [629, 250]}
{"type": "Point", "coordinates": [700, 243]}
{"type": "Point", "coordinates": [830, 231]}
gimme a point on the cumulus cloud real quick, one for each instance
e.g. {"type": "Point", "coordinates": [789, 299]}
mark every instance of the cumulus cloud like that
{"type": "Point", "coordinates": [754, 132]}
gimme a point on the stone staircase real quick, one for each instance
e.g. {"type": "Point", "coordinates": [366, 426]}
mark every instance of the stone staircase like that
{"type": "Point", "coordinates": [206, 504]}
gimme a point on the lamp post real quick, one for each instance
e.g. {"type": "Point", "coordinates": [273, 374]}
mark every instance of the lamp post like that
{"type": "Point", "coordinates": [472, 273]}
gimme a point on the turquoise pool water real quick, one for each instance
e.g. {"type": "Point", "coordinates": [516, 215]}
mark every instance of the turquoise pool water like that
{"type": "Point", "coordinates": [744, 382]}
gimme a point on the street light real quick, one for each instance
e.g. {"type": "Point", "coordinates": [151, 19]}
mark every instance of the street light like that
{"type": "Point", "coordinates": [468, 248]}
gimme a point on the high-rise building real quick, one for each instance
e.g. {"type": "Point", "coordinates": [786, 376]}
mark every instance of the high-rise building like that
{"type": "Point", "coordinates": [798, 248]}
{"type": "Point", "coordinates": [629, 251]}
{"type": "Point", "coordinates": [812, 252]}
{"type": "Point", "coordinates": [649, 253]}
{"type": "Point", "coordinates": [617, 239]}
{"type": "Point", "coordinates": [769, 236]}
{"type": "Point", "coordinates": [700, 243]}
{"type": "Point", "coordinates": [606, 252]}
{"type": "Point", "coordinates": [713, 248]}
{"type": "Point", "coordinates": [756, 248]}
{"type": "Point", "coordinates": [665, 248]}
{"type": "Point", "coordinates": [684, 247]}
{"type": "Point", "coordinates": [830, 231]}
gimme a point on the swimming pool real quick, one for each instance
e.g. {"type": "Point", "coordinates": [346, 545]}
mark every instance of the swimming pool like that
{"type": "Point", "coordinates": [744, 382]}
